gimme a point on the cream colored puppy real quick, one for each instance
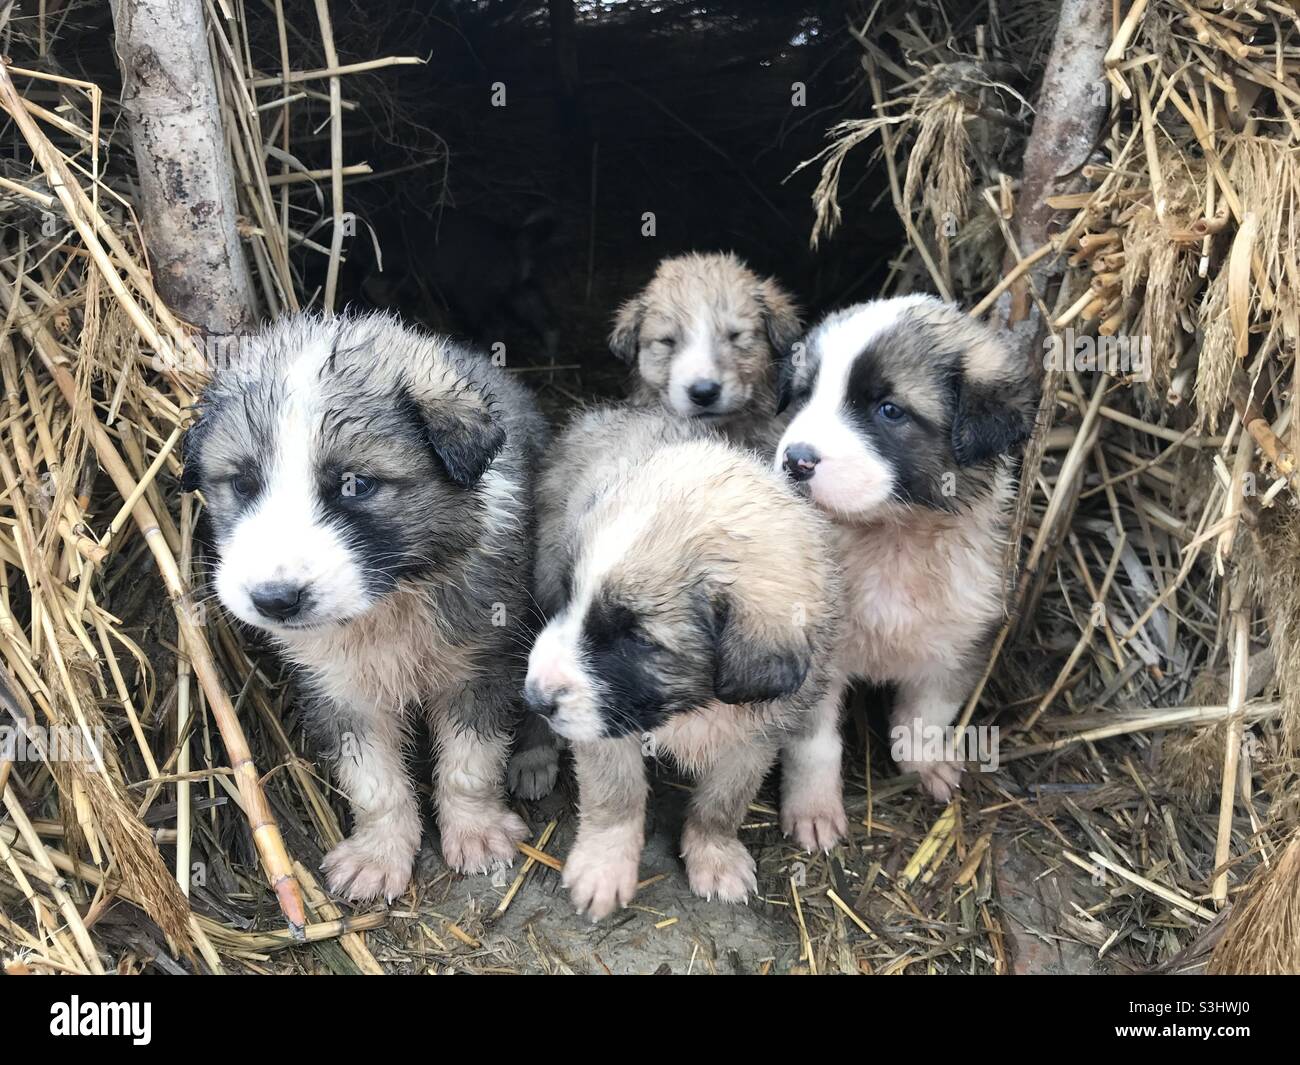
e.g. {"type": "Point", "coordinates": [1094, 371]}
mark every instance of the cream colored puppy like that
{"type": "Point", "coordinates": [692, 617]}
{"type": "Point", "coordinates": [707, 336]}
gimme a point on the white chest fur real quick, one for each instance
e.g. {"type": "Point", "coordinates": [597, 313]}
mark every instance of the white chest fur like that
{"type": "Point", "coordinates": [920, 593]}
{"type": "Point", "coordinates": [389, 659]}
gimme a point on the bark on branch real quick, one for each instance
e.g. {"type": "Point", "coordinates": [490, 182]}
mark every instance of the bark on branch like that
{"type": "Point", "coordinates": [187, 189]}
{"type": "Point", "coordinates": [1071, 106]}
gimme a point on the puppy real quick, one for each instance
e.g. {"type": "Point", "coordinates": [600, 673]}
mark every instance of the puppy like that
{"type": "Point", "coordinates": [692, 601]}
{"type": "Point", "coordinates": [368, 490]}
{"type": "Point", "coordinates": [706, 335]}
{"type": "Point", "coordinates": [909, 415]}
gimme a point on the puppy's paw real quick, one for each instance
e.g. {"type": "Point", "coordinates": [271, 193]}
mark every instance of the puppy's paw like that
{"type": "Point", "coordinates": [718, 867]}
{"type": "Point", "coordinates": [480, 841]}
{"type": "Point", "coordinates": [533, 771]}
{"type": "Point", "coordinates": [816, 821]}
{"type": "Point", "coordinates": [941, 780]}
{"type": "Point", "coordinates": [601, 875]}
{"type": "Point", "coordinates": [367, 865]}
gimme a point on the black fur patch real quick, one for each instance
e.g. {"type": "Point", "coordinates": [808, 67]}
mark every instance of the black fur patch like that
{"type": "Point", "coordinates": [192, 453]}
{"type": "Point", "coordinates": [747, 671]}
{"type": "Point", "coordinates": [465, 442]}
{"type": "Point", "coordinates": [622, 659]}
{"type": "Point", "coordinates": [989, 421]}
{"type": "Point", "coordinates": [370, 531]}
{"type": "Point", "coordinates": [913, 447]}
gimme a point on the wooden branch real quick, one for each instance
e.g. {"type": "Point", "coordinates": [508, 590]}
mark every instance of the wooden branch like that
{"type": "Point", "coordinates": [266, 833]}
{"type": "Point", "coordinates": [187, 187]}
{"type": "Point", "coordinates": [1071, 106]}
{"type": "Point", "coordinates": [1261, 430]}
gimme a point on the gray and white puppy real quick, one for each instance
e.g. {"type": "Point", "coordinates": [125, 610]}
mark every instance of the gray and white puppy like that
{"type": "Point", "coordinates": [706, 336]}
{"type": "Point", "coordinates": [909, 417]}
{"type": "Point", "coordinates": [692, 604]}
{"type": "Point", "coordinates": [369, 494]}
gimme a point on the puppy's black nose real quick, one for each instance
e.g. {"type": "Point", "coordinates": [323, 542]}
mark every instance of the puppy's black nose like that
{"type": "Point", "coordinates": [704, 393]}
{"type": "Point", "coordinates": [539, 702]}
{"type": "Point", "coordinates": [800, 462]}
{"type": "Point", "coordinates": [278, 599]}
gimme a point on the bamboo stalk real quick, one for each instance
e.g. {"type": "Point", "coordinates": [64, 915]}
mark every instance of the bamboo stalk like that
{"type": "Point", "coordinates": [297, 77]}
{"type": "Point", "coordinates": [336, 153]}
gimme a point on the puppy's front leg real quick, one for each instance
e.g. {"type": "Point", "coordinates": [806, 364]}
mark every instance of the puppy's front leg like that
{"type": "Point", "coordinates": [478, 830]}
{"type": "Point", "coordinates": [923, 705]}
{"type": "Point", "coordinates": [534, 760]}
{"type": "Point", "coordinates": [718, 865]}
{"type": "Point", "coordinates": [376, 859]}
{"type": "Point", "coordinates": [812, 788]}
{"type": "Point", "coordinates": [601, 869]}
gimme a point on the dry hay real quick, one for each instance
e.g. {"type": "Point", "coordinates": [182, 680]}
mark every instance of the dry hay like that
{"type": "Point", "coordinates": [1165, 503]}
{"type": "Point", "coordinates": [1148, 689]}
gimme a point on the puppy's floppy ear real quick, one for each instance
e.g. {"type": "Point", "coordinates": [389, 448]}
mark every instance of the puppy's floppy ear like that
{"type": "Point", "coordinates": [786, 373]}
{"type": "Point", "coordinates": [625, 337]}
{"type": "Point", "coordinates": [784, 333]}
{"type": "Point", "coordinates": [192, 449]}
{"type": "Point", "coordinates": [750, 667]}
{"type": "Point", "coordinates": [792, 374]}
{"type": "Point", "coordinates": [462, 430]}
{"type": "Point", "coordinates": [991, 418]}
{"type": "Point", "coordinates": [780, 318]}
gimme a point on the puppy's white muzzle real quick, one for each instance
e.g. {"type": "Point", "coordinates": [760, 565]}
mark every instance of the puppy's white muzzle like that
{"type": "Point", "coordinates": [698, 387]}
{"type": "Point", "coordinates": [557, 686]}
{"type": "Point", "coordinates": [835, 463]}
{"type": "Point", "coordinates": [276, 550]}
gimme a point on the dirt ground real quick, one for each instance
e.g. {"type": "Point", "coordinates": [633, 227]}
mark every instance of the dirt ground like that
{"type": "Point", "coordinates": [666, 930]}
{"type": "Point", "coordinates": [1007, 915]}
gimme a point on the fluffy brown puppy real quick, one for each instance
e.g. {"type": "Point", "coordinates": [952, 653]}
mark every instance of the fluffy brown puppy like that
{"type": "Point", "coordinates": [692, 616]}
{"type": "Point", "coordinates": [706, 336]}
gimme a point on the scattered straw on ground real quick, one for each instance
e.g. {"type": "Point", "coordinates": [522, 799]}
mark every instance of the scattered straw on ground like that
{"type": "Point", "coordinates": [1144, 805]}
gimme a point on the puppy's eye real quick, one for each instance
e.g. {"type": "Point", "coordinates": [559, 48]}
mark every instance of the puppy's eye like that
{"type": "Point", "coordinates": [245, 485]}
{"type": "Point", "coordinates": [740, 336]}
{"type": "Point", "coordinates": [357, 486]}
{"type": "Point", "coordinates": [638, 637]}
{"type": "Point", "coordinates": [668, 342]}
{"type": "Point", "coordinates": [891, 412]}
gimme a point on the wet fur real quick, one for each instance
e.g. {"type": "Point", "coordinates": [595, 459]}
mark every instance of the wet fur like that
{"type": "Point", "coordinates": [921, 504]}
{"type": "Point", "coordinates": [440, 613]}
{"type": "Point", "coordinates": [693, 609]}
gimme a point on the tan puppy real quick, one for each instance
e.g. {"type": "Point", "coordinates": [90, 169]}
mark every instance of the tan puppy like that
{"type": "Point", "coordinates": [909, 414]}
{"type": "Point", "coordinates": [692, 615]}
{"type": "Point", "coordinates": [706, 336]}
